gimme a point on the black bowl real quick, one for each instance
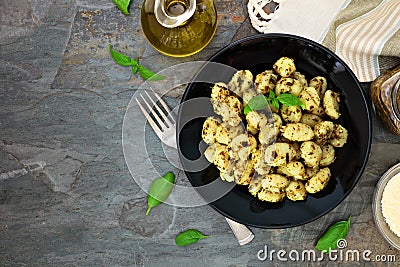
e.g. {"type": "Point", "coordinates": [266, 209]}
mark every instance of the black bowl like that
{"type": "Point", "coordinates": [256, 54]}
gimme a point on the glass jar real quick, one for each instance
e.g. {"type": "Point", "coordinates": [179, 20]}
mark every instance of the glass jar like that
{"type": "Point", "coordinates": [385, 95]}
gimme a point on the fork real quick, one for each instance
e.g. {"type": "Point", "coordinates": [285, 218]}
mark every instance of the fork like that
{"type": "Point", "coordinates": [164, 125]}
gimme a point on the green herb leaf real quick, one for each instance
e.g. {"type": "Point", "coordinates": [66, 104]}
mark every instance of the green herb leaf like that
{"type": "Point", "coordinates": [188, 237]}
{"type": "Point", "coordinates": [121, 59]}
{"type": "Point", "coordinates": [134, 68]}
{"type": "Point", "coordinates": [261, 101]}
{"type": "Point", "coordinates": [336, 232]}
{"type": "Point", "coordinates": [246, 110]}
{"type": "Point", "coordinates": [149, 75]}
{"type": "Point", "coordinates": [275, 103]}
{"type": "Point", "coordinates": [256, 103]}
{"type": "Point", "coordinates": [271, 95]}
{"type": "Point", "coordinates": [126, 61]}
{"type": "Point", "coordinates": [290, 100]}
{"type": "Point", "coordinates": [159, 190]}
{"type": "Point", "coordinates": [123, 5]}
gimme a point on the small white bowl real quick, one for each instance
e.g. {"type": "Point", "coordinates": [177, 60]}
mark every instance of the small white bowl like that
{"type": "Point", "coordinates": [380, 221]}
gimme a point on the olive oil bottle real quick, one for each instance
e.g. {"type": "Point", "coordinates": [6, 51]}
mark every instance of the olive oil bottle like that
{"type": "Point", "coordinates": [178, 28]}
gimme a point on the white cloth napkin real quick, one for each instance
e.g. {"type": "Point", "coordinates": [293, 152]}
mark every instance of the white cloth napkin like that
{"type": "Point", "coordinates": [307, 18]}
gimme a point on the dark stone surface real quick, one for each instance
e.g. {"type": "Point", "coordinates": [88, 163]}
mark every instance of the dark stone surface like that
{"type": "Point", "coordinates": [67, 197]}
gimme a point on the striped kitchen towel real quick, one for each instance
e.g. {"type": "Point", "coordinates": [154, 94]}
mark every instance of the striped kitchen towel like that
{"type": "Point", "coordinates": [366, 35]}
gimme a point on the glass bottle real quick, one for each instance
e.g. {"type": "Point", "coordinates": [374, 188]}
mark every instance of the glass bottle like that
{"type": "Point", "coordinates": [178, 28]}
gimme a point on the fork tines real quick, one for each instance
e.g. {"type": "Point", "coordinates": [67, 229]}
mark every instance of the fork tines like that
{"type": "Point", "coordinates": [153, 110]}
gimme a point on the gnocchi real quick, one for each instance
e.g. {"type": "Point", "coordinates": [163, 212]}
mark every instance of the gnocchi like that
{"type": "Point", "coordinates": [288, 85]}
{"type": "Point", "coordinates": [296, 191]}
{"type": "Point", "coordinates": [331, 104]}
{"type": "Point", "coordinates": [284, 66]}
{"type": "Point", "coordinates": [275, 183]}
{"type": "Point", "coordinates": [297, 132]}
{"type": "Point", "coordinates": [320, 84]}
{"type": "Point", "coordinates": [318, 181]}
{"type": "Point", "coordinates": [286, 154]}
{"type": "Point", "coordinates": [265, 81]}
{"type": "Point", "coordinates": [311, 153]}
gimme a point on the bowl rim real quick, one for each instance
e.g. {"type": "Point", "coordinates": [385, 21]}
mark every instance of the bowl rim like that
{"type": "Point", "coordinates": [348, 70]}
{"type": "Point", "coordinates": [377, 213]}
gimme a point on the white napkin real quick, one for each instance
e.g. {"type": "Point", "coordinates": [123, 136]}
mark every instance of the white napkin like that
{"type": "Point", "coordinates": [307, 18]}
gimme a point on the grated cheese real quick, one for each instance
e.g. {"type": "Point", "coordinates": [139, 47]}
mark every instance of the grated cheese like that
{"type": "Point", "coordinates": [391, 204]}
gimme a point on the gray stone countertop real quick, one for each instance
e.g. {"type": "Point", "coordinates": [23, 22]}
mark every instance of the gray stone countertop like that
{"type": "Point", "coordinates": [67, 197]}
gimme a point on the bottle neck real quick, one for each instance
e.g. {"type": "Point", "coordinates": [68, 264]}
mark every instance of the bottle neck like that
{"type": "Point", "coordinates": [174, 13]}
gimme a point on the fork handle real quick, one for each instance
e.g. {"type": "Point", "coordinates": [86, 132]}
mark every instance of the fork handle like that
{"type": "Point", "coordinates": [242, 233]}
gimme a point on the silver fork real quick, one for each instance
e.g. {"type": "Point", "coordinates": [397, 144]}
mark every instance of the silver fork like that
{"type": "Point", "coordinates": [165, 129]}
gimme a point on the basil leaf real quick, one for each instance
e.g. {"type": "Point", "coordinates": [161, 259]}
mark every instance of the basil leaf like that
{"type": "Point", "coordinates": [149, 75]}
{"type": "Point", "coordinates": [121, 59]}
{"type": "Point", "coordinates": [256, 103]}
{"type": "Point", "coordinates": [261, 101]}
{"type": "Point", "coordinates": [188, 237]}
{"type": "Point", "coordinates": [123, 5]}
{"type": "Point", "coordinates": [246, 109]}
{"type": "Point", "coordinates": [159, 190]}
{"type": "Point", "coordinates": [336, 232]}
{"type": "Point", "coordinates": [290, 100]}
{"type": "Point", "coordinates": [275, 103]}
{"type": "Point", "coordinates": [271, 95]}
{"type": "Point", "coordinates": [126, 61]}
{"type": "Point", "coordinates": [134, 68]}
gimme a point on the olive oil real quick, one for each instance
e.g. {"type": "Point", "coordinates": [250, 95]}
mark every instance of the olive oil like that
{"type": "Point", "coordinates": [189, 37]}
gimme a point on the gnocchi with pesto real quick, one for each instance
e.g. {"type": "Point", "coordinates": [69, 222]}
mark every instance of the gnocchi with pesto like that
{"type": "Point", "coordinates": [285, 153]}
